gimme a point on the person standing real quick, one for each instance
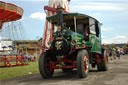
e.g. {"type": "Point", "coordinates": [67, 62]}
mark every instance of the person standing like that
{"type": "Point", "coordinates": [114, 53]}
{"type": "Point", "coordinates": [34, 58]}
{"type": "Point", "coordinates": [118, 53]}
{"type": "Point", "coordinates": [29, 58]}
{"type": "Point", "coordinates": [110, 53]}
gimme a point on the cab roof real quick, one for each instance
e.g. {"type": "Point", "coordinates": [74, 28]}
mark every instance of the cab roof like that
{"type": "Point", "coordinates": [70, 16]}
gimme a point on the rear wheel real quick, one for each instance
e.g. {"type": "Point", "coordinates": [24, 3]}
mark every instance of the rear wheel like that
{"type": "Point", "coordinates": [44, 66]}
{"type": "Point", "coordinates": [82, 63]}
{"type": "Point", "coordinates": [103, 65]}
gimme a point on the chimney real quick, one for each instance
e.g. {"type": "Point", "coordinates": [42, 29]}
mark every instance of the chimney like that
{"type": "Point", "coordinates": [59, 17]}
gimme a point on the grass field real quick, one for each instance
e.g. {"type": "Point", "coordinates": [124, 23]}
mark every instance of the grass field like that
{"type": "Point", "coordinates": [18, 71]}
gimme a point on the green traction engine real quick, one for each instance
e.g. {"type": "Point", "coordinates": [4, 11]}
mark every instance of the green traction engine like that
{"type": "Point", "coordinates": [76, 45]}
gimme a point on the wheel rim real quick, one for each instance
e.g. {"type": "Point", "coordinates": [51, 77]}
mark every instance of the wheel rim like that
{"type": "Point", "coordinates": [86, 64]}
{"type": "Point", "coordinates": [48, 66]}
{"type": "Point", "coordinates": [105, 57]}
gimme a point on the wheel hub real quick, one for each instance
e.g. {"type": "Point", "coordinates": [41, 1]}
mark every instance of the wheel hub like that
{"type": "Point", "coordinates": [86, 64]}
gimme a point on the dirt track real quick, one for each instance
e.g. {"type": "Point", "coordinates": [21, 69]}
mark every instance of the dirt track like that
{"type": "Point", "coordinates": [116, 75]}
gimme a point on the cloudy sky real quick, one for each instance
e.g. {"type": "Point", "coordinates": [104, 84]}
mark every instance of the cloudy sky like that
{"type": "Point", "coordinates": [112, 13]}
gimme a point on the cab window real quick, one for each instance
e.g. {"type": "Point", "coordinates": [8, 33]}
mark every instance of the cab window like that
{"type": "Point", "coordinates": [79, 28]}
{"type": "Point", "coordinates": [97, 29]}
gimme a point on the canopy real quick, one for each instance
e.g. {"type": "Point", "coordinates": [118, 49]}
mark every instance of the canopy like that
{"type": "Point", "coordinates": [9, 12]}
{"type": "Point", "coordinates": [69, 17]}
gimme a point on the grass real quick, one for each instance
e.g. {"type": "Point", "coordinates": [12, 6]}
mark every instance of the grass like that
{"type": "Point", "coordinates": [18, 71]}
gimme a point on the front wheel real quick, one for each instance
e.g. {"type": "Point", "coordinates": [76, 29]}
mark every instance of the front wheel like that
{"type": "Point", "coordinates": [44, 66]}
{"type": "Point", "coordinates": [103, 65]}
{"type": "Point", "coordinates": [82, 63]}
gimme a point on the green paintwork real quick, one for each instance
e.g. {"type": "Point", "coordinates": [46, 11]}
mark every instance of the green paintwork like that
{"type": "Point", "coordinates": [96, 43]}
{"type": "Point", "coordinates": [78, 38]}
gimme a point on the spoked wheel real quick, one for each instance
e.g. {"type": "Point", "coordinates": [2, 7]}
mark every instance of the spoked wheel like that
{"type": "Point", "coordinates": [44, 66]}
{"type": "Point", "coordinates": [82, 63]}
{"type": "Point", "coordinates": [103, 65]}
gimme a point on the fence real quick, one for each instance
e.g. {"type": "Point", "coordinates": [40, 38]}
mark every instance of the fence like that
{"type": "Point", "coordinates": [12, 60]}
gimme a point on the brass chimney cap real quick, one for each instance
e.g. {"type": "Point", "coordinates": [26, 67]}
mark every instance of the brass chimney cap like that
{"type": "Point", "coordinates": [59, 8]}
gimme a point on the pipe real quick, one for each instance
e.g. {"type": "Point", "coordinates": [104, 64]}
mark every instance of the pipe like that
{"type": "Point", "coordinates": [59, 18]}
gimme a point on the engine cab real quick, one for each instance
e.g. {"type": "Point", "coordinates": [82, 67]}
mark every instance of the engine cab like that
{"type": "Point", "coordinates": [77, 30]}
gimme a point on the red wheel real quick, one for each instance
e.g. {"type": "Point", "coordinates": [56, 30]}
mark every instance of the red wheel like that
{"type": "Point", "coordinates": [103, 65]}
{"type": "Point", "coordinates": [86, 64]}
{"type": "Point", "coordinates": [82, 63]}
{"type": "Point", "coordinates": [44, 66]}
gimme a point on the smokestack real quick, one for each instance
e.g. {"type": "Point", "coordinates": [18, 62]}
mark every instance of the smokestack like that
{"type": "Point", "coordinates": [59, 16]}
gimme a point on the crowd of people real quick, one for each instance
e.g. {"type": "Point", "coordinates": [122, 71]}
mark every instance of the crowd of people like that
{"type": "Point", "coordinates": [115, 52]}
{"type": "Point", "coordinates": [30, 58]}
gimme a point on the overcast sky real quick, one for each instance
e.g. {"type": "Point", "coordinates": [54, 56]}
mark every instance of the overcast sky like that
{"type": "Point", "coordinates": [112, 13]}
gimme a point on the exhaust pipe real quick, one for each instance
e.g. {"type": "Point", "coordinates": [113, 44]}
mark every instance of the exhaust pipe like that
{"type": "Point", "coordinates": [59, 17]}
